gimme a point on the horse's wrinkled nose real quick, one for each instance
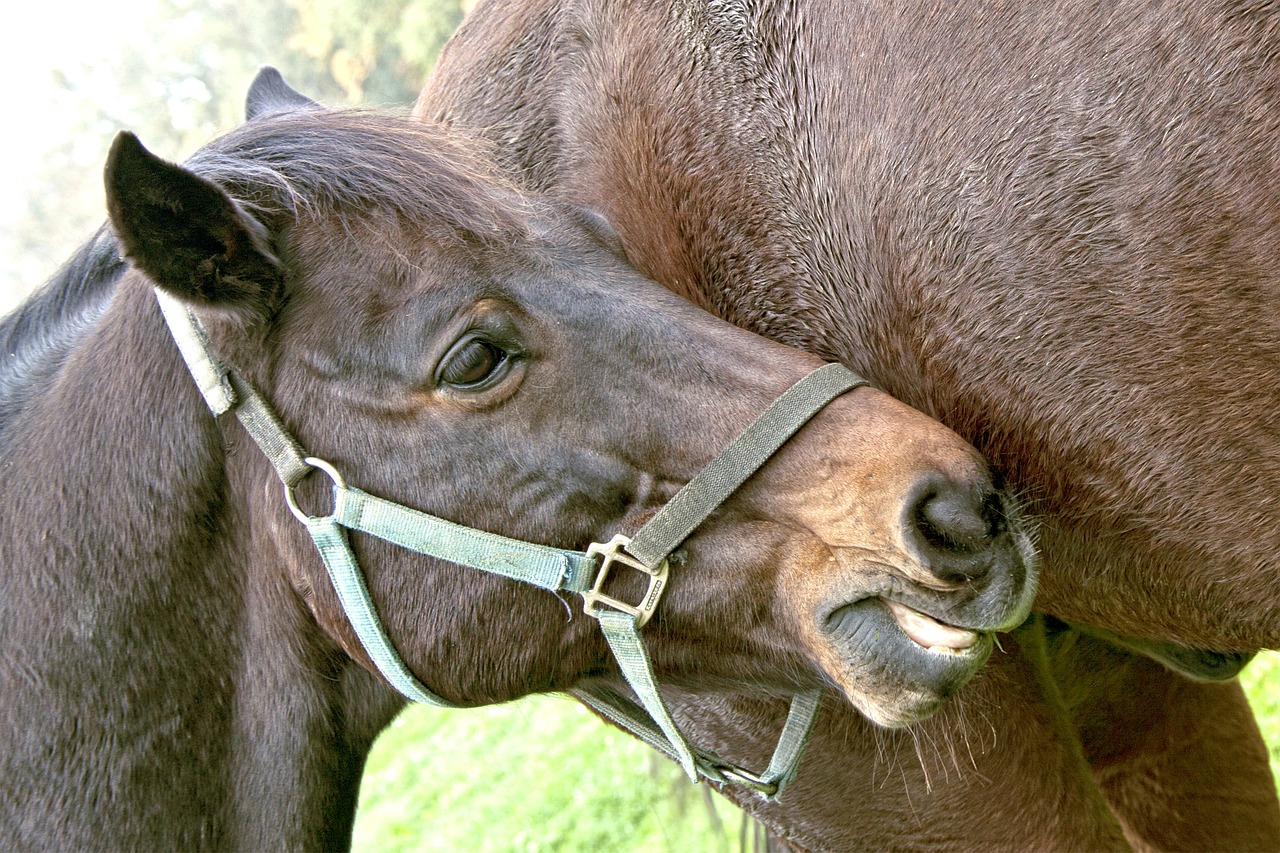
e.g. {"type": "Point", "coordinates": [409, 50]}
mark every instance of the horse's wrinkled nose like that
{"type": "Point", "coordinates": [954, 526]}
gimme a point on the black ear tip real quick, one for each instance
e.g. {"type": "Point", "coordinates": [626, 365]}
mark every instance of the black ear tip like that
{"type": "Point", "coordinates": [124, 148]}
{"type": "Point", "coordinates": [125, 143]}
{"type": "Point", "coordinates": [127, 148]}
{"type": "Point", "coordinates": [127, 155]}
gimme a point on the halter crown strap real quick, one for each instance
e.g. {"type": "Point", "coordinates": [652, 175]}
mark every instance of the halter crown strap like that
{"type": "Point", "coordinates": [550, 568]}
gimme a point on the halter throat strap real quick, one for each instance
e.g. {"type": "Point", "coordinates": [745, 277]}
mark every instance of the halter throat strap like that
{"type": "Point", "coordinates": [550, 568]}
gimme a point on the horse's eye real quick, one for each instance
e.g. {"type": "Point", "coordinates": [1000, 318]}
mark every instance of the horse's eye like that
{"type": "Point", "coordinates": [471, 363]}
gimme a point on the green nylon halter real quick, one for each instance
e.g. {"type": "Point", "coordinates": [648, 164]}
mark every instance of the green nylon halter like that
{"type": "Point", "coordinates": [552, 569]}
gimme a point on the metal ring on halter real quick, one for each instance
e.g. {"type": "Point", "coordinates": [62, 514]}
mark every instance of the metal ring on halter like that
{"type": "Point", "coordinates": [332, 473]}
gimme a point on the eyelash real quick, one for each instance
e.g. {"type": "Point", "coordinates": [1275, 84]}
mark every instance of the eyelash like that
{"type": "Point", "coordinates": [466, 357]}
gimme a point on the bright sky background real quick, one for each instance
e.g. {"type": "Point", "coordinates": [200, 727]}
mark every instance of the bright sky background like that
{"type": "Point", "coordinates": [41, 36]}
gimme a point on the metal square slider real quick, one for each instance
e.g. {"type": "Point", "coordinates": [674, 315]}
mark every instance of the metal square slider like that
{"type": "Point", "coordinates": [613, 553]}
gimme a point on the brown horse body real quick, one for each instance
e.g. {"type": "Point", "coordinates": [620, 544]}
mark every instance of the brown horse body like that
{"type": "Point", "coordinates": [175, 671]}
{"type": "Point", "coordinates": [1051, 226]}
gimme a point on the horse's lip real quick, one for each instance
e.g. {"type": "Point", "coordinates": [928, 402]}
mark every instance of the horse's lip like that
{"type": "Point", "coordinates": [889, 675]}
{"type": "Point", "coordinates": [930, 633]}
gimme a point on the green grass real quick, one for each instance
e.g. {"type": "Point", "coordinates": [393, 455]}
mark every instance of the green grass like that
{"type": "Point", "coordinates": [538, 774]}
{"type": "Point", "coordinates": [544, 774]}
{"type": "Point", "coordinates": [1261, 680]}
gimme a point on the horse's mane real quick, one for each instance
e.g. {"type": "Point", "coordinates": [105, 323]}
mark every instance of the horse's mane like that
{"type": "Point", "coordinates": [313, 164]}
{"type": "Point", "coordinates": [348, 163]}
{"type": "Point", "coordinates": [38, 336]}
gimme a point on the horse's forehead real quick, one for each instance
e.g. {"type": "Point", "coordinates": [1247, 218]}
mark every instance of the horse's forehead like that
{"type": "Point", "coordinates": [387, 281]}
{"type": "Point", "coordinates": [398, 277]}
{"type": "Point", "coordinates": [374, 258]}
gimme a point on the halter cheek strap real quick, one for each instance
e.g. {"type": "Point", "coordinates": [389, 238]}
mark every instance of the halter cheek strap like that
{"type": "Point", "coordinates": [648, 551]}
{"type": "Point", "coordinates": [552, 569]}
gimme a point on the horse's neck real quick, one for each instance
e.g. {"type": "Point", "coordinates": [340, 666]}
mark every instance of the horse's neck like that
{"type": "Point", "coordinates": [158, 687]}
{"type": "Point", "coordinates": [37, 337]}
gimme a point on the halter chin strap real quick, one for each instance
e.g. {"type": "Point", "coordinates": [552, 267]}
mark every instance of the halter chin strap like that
{"type": "Point", "coordinates": [552, 569]}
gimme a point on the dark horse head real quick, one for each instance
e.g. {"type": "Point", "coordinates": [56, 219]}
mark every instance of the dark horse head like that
{"type": "Point", "coordinates": [455, 346]}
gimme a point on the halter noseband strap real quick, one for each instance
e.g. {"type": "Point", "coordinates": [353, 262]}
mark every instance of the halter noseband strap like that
{"type": "Point", "coordinates": [549, 568]}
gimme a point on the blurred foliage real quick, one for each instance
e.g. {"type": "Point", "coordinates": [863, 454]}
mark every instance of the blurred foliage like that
{"type": "Point", "coordinates": [379, 53]}
{"type": "Point", "coordinates": [180, 78]}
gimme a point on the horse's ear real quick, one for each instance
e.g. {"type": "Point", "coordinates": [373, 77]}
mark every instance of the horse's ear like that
{"type": "Point", "coordinates": [269, 94]}
{"type": "Point", "coordinates": [185, 233]}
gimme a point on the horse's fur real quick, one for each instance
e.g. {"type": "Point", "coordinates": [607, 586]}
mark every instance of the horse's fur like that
{"type": "Point", "coordinates": [1054, 227]}
{"type": "Point", "coordinates": [175, 672]}
{"type": "Point", "coordinates": [36, 337]}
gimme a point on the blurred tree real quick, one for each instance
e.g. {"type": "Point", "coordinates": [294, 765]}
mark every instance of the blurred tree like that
{"type": "Point", "coordinates": [379, 54]}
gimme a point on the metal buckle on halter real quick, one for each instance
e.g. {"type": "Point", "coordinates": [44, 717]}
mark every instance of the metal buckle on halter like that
{"type": "Point", "coordinates": [614, 552]}
{"type": "Point", "coordinates": [741, 776]}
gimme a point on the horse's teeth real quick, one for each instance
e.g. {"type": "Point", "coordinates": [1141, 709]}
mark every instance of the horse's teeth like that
{"type": "Point", "coordinates": [928, 632]}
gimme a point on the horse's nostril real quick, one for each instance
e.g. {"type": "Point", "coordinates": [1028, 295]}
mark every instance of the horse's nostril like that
{"type": "Point", "coordinates": [956, 521]}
